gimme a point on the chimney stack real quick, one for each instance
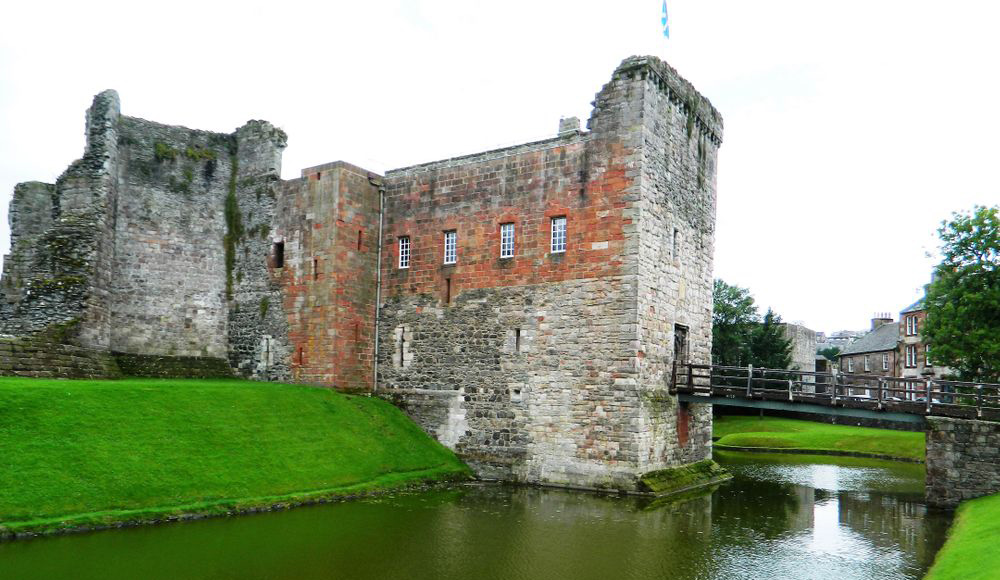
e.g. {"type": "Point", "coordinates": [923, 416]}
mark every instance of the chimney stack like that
{"type": "Point", "coordinates": [881, 318]}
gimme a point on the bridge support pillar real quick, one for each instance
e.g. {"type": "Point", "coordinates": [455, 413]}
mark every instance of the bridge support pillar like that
{"type": "Point", "coordinates": [963, 460]}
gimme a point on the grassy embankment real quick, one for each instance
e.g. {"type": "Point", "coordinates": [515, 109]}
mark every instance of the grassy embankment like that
{"type": "Point", "coordinates": [970, 553]}
{"type": "Point", "coordinates": [780, 434]}
{"type": "Point", "coordinates": [95, 453]}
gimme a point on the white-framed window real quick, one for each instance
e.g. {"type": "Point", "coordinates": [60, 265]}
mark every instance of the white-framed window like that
{"type": "Point", "coordinates": [404, 251]}
{"type": "Point", "coordinates": [558, 234]}
{"type": "Point", "coordinates": [911, 355]}
{"type": "Point", "coordinates": [450, 247]}
{"type": "Point", "coordinates": [927, 356]}
{"type": "Point", "coordinates": [868, 365]}
{"type": "Point", "coordinates": [850, 365]}
{"type": "Point", "coordinates": [507, 240]}
{"type": "Point", "coordinates": [885, 362]}
{"type": "Point", "coordinates": [911, 325]}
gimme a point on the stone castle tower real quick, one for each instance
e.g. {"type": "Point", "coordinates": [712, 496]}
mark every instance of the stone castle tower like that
{"type": "Point", "coordinates": [524, 305]}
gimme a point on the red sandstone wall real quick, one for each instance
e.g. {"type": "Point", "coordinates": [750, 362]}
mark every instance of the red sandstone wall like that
{"type": "Point", "coordinates": [526, 185]}
{"type": "Point", "coordinates": [328, 278]}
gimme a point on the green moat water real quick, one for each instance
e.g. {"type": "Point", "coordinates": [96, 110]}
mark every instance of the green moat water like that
{"type": "Point", "coordinates": [781, 517]}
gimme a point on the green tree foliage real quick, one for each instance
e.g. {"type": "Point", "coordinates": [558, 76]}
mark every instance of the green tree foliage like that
{"type": "Point", "coordinates": [829, 352]}
{"type": "Point", "coordinates": [739, 335]}
{"type": "Point", "coordinates": [963, 300]}
{"type": "Point", "coordinates": [733, 319]}
{"type": "Point", "coordinates": [768, 346]}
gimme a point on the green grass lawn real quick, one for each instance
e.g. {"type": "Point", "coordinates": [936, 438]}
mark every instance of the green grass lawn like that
{"type": "Point", "coordinates": [971, 550]}
{"type": "Point", "coordinates": [779, 433]}
{"type": "Point", "coordinates": [94, 452]}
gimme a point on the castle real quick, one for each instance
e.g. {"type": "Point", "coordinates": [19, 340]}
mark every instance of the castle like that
{"type": "Point", "coordinates": [524, 305]}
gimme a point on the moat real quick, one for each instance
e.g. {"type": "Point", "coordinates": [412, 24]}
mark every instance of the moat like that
{"type": "Point", "coordinates": [781, 517]}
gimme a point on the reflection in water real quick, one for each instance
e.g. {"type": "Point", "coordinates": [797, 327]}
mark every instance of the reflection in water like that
{"type": "Point", "coordinates": [781, 517]}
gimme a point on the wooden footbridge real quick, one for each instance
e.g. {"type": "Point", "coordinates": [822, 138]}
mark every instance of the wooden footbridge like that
{"type": "Point", "coordinates": [894, 399]}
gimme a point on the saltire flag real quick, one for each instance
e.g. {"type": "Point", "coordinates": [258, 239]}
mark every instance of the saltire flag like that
{"type": "Point", "coordinates": [664, 21]}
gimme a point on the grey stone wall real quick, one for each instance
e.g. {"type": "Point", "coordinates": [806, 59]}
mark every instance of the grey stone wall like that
{"type": "Point", "coordinates": [46, 359]}
{"type": "Point", "coordinates": [168, 288]}
{"type": "Point", "coordinates": [963, 460]}
{"type": "Point", "coordinates": [675, 218]}
{"type": "Point", "coordinates": [804, 347]}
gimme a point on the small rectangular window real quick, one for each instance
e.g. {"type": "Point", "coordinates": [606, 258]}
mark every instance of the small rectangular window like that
{"type": "Point", "coordinates": [558, 234]}
{"type": "Point", "coordinates": [506, 240]}
{"type": "Point", "coordinates": [868, 366]}
{"type": "Point", "coordinates": [315, 268]}
{"type": "Point", "coordinates": [404, 251]}
{"type": "Point", "coordinates": [850, 365]}
{"type": "Point", "coordinates": [885, 362]}
{"type": "Point", "coordinates": [517, 340]}
{"type": "Point", "coordinates": [911, 356]}
{"type": "Point", "coordinates": [447, 290]}
{"type": "Point", "coordinates": [673, 247]}
{"type": "Point", "coordinates": [278, 251]}
{"type": "Point", "coordinates": [450, 247]}
{"type": "Point", "coordinates": [927, 356]}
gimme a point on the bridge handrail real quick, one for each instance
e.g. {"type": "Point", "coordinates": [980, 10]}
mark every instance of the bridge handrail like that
{"type": "Point", "coordinates": [923, 395]}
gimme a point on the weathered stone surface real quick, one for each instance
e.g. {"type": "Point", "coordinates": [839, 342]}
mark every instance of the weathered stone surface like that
{"type": "Point", "coordinates": [962, 459]}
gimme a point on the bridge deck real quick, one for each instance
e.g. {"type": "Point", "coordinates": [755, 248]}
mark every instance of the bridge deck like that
{"type": "Point", "coordinates": [886, 398]}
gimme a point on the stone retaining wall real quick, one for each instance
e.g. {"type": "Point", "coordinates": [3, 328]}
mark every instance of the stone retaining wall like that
{"type": "Point", "coordinates": [35, 358]}
{"type": "Point", "coordinates": [963, 460]}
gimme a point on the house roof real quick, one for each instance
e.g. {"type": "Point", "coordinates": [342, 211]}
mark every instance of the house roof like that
{"type": "Point", "coordinates": [918, 305]}
{"type": "Point", "coordinates": [882, 338]}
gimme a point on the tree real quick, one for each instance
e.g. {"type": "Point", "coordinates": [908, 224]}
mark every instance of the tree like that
{"type": "Point", "coordinates": [963, 298]}
{"type": "Point", "coordinates": [740, 337]}
{"type": "Point", "coordinates": [829, 352]}
{"type": "Point", "coordinates": [769, 348]}
{"type": "Point", "coordinates": [734, 315]}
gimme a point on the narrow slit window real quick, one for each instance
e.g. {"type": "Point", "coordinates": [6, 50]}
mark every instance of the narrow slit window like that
{"type": "Point", "coordinates": [359, 240]}
{"type": "Point", "coordinates": [447, 290]}
{"type": "Point", "coordinates": [517, 340]}
{"type": "Point", "coordinates": [558, 235]}
{"type": "Point", "coordinates": [506, 240]}
{"type": "Point", "coordinates": [673, 246]}
{"type": "Point", "coordinates": [450, 247]}
{"type": "Point", "coordinates": [315, 268]}
{"type": "Point", "coordinates": [404, 251]}
{"type": "Point", "coordinates": [402, 349]}
{"type": "Point", "coordinates": [278, 251]}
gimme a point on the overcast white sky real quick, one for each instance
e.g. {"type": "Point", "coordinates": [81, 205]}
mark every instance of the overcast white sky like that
{"type": "Point", "coordinates": [852, 128]}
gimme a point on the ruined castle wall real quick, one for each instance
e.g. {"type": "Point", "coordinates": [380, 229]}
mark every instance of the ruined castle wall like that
{"type": "Point", "coordinates": [168, 291]}
{"type": "Point", "coordinates": [524, 365]}
{"type": "Point", "coordinates": [328, 224]}
{"type": "Point", "coordinates": [681, 133]}
{"type": "Point", "coordinates": [258, 327]}
{"type": "Point", "coordinates": [60, 262]}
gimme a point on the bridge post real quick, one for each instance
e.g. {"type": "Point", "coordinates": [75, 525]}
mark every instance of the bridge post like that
{"type": "Point", "coordinates": [749, 381]}
{"type": "Point", "coordinates": [834, 378]}
{"type": "Point", "coordinates": [881, 385]}
{"type": "Point", "coordinates": [927, 395]}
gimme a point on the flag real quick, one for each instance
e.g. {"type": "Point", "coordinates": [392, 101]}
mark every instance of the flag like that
{"type": "Point", "coordinates": [664, 21]}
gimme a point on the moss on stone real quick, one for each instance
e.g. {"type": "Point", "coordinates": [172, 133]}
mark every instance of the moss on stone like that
{"type": "Point", "coordinates": [164, 152]}
{"type": "Point", "coordinates": [234, 224]}
{"type": "Point", "coordinates": [265, 303]}
{"type": "Point", "coordinates": [196, 153]}
{"type": "Point", "coordinates": [683, 478]}
{"type": "Point", "coordinates": [42, 287]}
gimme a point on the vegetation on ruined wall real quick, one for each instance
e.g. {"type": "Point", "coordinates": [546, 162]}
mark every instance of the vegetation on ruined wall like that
{"type": "Point", "coordinates": [780, 434]}
{"type": "Point", "coordinates": [963, 300]}
{"type": "Point", "coordinates": [970, 552]}
{"type": "Point", "coordinates": [676, 479]}
{"type": "Point", "coordinates": [147, 448]}
{"type": "Point", "coordinates": [234, 224]}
